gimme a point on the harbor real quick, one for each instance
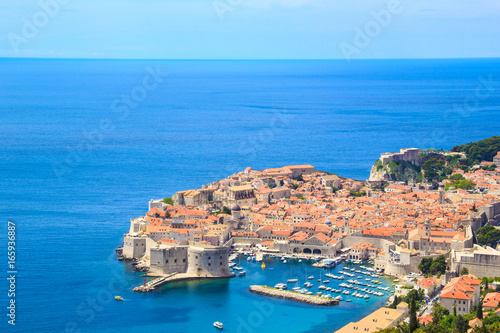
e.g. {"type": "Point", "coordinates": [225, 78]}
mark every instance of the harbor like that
{"type": "Point", "coordinates": [338, 279]}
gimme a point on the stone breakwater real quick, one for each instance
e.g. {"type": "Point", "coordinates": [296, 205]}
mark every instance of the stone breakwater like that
{"type": "Point", "coordinates": [293, 296]}
{"type": "Point", "coordinates": [175, 277]}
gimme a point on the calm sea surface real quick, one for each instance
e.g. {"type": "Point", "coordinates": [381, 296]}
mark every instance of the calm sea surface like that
{"type": "Point", "coordinates": [79, 158]}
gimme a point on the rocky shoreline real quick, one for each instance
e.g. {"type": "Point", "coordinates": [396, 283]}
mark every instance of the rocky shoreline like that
{"type": "Point", "coordinates": [290, 295]}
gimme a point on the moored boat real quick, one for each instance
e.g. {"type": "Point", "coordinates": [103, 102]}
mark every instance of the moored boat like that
{"type": "Point", "coordinates": [218, 325]}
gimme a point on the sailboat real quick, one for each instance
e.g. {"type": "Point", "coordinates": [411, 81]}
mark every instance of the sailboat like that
{"type": "Point", "coordinates": [319, 280]}
{"type": "Point", "coordinates": [292, 280]}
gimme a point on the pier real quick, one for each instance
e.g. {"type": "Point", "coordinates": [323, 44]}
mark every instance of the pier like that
{"type": "Point", "coordinates": [293, 296]}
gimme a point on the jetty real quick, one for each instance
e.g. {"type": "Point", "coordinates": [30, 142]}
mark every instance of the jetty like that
{"type": "Point", "coordinates": [293, 296]}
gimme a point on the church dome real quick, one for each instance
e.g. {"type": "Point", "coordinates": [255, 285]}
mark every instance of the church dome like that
{"type": "Point", "coordinates": [328, 222]}
{"type": "Point", "coordinates": [236, 208]}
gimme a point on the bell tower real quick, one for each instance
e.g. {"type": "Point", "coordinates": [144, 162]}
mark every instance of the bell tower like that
{"type": "Point", "coordinates": [427, 227]}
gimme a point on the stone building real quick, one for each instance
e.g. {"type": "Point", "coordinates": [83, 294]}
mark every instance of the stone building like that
{"type": "Point", "coordinates": [196, 259]}
{"type": "Point", "coordinates": [242, 195]}
{"type": "Point", "coordinates": [331, 181]}
{"type": "Point", "coordinates": [462, 293]}
{"type": "Point", "coordinates": [496, 159]}
{"type": "Point", "coordinates": [196, 198]}
{"type": "Point", "coordinates": [381, 319]}
{"type": "Point", "coordinates": [208, 261]}
{"type": "Point", "coordinates": [134, 246]}
{"type": "Point", "coordinates": [480, 261]}
{"type": "Point", "coordinates": [167, 259]}
{"type": "Point", "coordinates": [408, 155]}
{"type": "Point", "coordinates": [157, 203]}
{"type": "Point", "coordinates": [360, 251]}
{"type": "Point", "coordinates": [300, 170]}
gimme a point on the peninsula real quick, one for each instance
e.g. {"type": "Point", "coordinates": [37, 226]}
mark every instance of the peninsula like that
{"type": "Point", "coordinates": [298, 210]}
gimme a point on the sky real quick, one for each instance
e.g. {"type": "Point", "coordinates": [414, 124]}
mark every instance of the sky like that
{"type": "Point", "coordinates": [249, 29]}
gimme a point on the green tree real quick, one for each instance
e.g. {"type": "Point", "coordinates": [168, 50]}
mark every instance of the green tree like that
{"type": "Point", "coordinates": [168, 201]}
{"type": "Point", "coordinates": [295, 186]}
{"type": "Point", "coordinates": [413, 316]}
{"type": "Point", "coordinates": [488, 235]}
{"type": "Point", "coordinates": [432, 168]}
{"type": "Point", "coordinates": [483, 150]}
{"type": "Point", "coordinates": [479, 310]}
{"type": "Point", "coordinates": [464, 271]}
{"type": "Point", "coordinates": [485, 282]}
{"type": "Point", "coordinates": [465, 184]}
{"type": "Point", "coordinates": [425, 265]}
{"type": "Point", "coordinates": [461, 324]}
{"type": "Point", "coordinates": [438, 265]}
{"type": "Point", "coordinates": [226, 210]}
{"type": "Point", "coordinates": [456, 177]}
{"type": "Point", "coordinates": [357, 194]}
{"type": "Point", "coordinates": [438, 313]}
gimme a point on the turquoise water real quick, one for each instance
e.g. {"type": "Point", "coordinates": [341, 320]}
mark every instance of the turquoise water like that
{"type": "Point", "coordinates": [206, 120]}
{"type": "Point", "coordinates": [230, 302]}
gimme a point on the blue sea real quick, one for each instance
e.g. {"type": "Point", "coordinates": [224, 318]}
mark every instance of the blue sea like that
{"type": "Point", "coordinates": [85, 144]}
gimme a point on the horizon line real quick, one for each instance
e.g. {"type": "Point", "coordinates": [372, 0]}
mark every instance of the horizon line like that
{"type": "Point", "coordinates": [240, 59]}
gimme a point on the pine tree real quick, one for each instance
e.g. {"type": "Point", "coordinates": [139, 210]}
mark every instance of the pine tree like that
{"type": "Point", "coordinates": [479, 311]}
{"type": "Point", "coordinates": [413, 316]}
{"type": "Point", "coordinates": [461, 324]}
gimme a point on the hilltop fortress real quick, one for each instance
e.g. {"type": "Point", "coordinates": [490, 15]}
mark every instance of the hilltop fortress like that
{"type": "Point", "coordinates": [407, 155]}
{"type": "Point", "coordinates": [382, 169]}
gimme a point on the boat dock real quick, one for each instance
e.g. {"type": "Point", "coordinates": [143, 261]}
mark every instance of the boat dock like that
{"type": "Point", "coordinates": [293, 296]}
{"type": "Point", "coordinates": [153, 284]}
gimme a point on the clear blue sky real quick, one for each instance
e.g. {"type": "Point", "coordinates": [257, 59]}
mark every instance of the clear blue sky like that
{"type": "Point", "coordinates": [249, 29]}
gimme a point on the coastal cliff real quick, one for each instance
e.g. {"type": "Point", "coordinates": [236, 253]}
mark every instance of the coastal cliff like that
{"type": "Point", "coordinates": [395, 171]}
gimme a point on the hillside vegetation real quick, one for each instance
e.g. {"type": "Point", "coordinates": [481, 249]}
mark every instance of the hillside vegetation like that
{"type": "Point", "coordinates": [476, 152]}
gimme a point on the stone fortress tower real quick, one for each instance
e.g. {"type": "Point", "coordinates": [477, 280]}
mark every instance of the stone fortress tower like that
{"type": "Point", "coordinates": [406, 154]}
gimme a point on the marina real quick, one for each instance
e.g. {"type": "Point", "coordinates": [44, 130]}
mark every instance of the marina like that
{"type": "Point", "coordinates": [347, 278]}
